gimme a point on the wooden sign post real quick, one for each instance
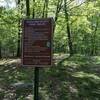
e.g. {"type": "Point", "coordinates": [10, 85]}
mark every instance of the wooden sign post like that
{"type": "Point", "coordinates": [37, 46]}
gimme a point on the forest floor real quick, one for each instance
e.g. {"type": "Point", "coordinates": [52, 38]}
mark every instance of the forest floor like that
{"type": "Point", "coordinates": [73, 78]}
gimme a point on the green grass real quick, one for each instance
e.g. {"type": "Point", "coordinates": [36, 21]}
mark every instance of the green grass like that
{"type": "Point", "coordinates": [73, 78]}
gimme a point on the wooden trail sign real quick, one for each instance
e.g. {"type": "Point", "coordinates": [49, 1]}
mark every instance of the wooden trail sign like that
{"type": "Point", "coordinates": [37, 42]}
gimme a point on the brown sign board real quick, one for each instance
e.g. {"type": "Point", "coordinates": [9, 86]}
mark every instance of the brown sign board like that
{"type": "Point", "coordinates": [37, 42]}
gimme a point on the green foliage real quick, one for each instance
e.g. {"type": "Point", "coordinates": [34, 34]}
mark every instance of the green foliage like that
{"type": "Point", "coordinates": [73, 78]}
{"type": "Point", "coordinates": [83, 19]}
{"type": "Point", "coordinates": [8, 30]}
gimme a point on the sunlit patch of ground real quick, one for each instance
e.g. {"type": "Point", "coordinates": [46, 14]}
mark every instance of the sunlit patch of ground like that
{"type": "Point", "coordinates": [9, 61]}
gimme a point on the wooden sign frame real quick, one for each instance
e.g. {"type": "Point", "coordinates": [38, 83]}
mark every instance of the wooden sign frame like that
{"type": "Point", "coordinates": [50, 23]}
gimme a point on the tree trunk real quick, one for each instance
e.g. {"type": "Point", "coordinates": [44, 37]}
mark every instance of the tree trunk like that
{"type": "Point", "coordinates": [33, 8]}
{"type": "Point", "coordinates": [93, 50]}
{"type": "Point", "coordinates": [68, 29]}
{"type": "Point", "coordinates": [27, 9]}
{"type": "Point", "coordinates": [18, 42]}
{"type": "Point", "coordinates": [0, 51]}
{"type": "Point", "coordinates": [58, 8]}
{"type": "Point", "coordinates": [45, 9]}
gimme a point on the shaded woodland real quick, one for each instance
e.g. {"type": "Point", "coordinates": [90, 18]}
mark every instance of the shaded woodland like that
{"type": "Point", "coordinates": [75, 74]}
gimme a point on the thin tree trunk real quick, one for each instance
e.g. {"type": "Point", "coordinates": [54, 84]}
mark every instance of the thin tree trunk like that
{"type": "Point", "coordinates": [45, 9]}
{"type": "Point", "coordinates": [93, 51]}
{"type": "Point", "coordinates": [58, 8]}
{"type": "Point", "coordinates": [46, 14]}
{"type": "Point", "coordinates": [0, 51]}
{"type": "Point", "coordinates": [68, 29]}
{"type": "Point", "coordinates": [18, 42]}
{"type": "Point", "coordinates": [27, 9]}
{"type": "Point", "coordinates": [33, 8]}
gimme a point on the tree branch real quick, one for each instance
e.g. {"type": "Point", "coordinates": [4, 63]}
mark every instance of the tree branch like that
{"type": "Point", "coordinates": [78, 5]}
